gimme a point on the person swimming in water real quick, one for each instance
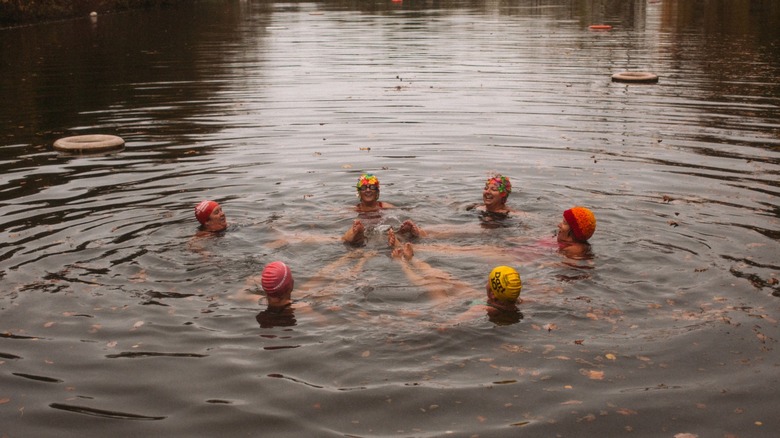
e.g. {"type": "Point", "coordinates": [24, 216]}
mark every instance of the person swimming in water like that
{"type": "Point", "coordinates": [574, 230]}
{"type": "Point", "coordinates": [210, 216]}
{"type": "Point", "coordinates": [494, 196]}
{"type": "Point", "coordinates": [368, 208]}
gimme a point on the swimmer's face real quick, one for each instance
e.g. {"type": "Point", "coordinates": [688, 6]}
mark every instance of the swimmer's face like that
{"type": "Point", "coordinates": [369, 192]}
{"type": "Point", "coordinates": [564, 232]}
{"type": "Point", "coordinates": [217, 220]}
{"type": "Point", "coordinates": [491, 195]}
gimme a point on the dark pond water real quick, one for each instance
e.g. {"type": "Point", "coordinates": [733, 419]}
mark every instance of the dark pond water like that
{"type": "Point", "coordinates": [116, 319]}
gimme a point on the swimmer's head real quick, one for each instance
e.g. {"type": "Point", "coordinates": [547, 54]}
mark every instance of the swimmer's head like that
{"type": "Point", "coordinates": [503, 184]}
{"type": "Point", "coordinates": [277, 279]}
{"type": "Point", "coordinates": [369, 181]}
{"type": "Point", "coordinates": [582, 222]}
{"type": "Point", "coordinates": [505, 284]}
{"type": "Point", "coordinates": [203, 211]}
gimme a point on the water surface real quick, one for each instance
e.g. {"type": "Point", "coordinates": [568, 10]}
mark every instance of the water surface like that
{"type": "Point", "coordinates": [117, 318]}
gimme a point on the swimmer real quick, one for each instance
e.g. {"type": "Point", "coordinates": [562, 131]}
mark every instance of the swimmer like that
{"type": "Point", "coordinates": [503, 295]}
{"type": "Point", "coordinates": [577, 226]}
{"type": "Point", "coordinates": [368, 193]}
{"type": "Point", "coordinates": [495, 194]}
{"type": "Point", "coordinates": [277, 283]}
{"type": "Point", "coordinates": [210, 216]}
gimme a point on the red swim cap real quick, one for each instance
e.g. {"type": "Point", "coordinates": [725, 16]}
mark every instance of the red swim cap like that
{"type": "Point", "coordinates": [203, 210]}
{"type": "Point", "coordinates": [277, 279]}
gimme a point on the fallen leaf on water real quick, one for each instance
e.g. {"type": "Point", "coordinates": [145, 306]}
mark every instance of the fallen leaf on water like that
{"type": "Point", "coordinates": [572, 402]}
{"type": "Point", "coordinates": [686, 435]}
{"type": "Point", "coordinates": [137, 325]}
{"type": "Point", "coordinates": [346, 166]}
{"type": "Point", "coordinates": [366, 354]}
{"type": "Point", "coordinates": [49, 324]}
{"type": "Point", "coordinates": [610, 356]}
{"type": "Point", "coordinates": [579, 341]}
{"type": "Point", "coordinates": [4, 400]}
{"type": "Point", "coordinates": [550, 327]}
{"type": "Point", "coordinates": [593, 374]}
{"type": "Point", "coordinates": [481, 419]}
{"type": "Point", "coordinates": [626, 411]}
{"type": "Point", "coordinates": [111, 344]}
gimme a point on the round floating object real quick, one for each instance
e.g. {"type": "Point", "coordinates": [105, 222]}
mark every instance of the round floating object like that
{"type": "Point", "coordinates": [599, 27]}
{"type": "Point", "coordinates": [639, 77]}
{"type": "Point", "coordinates": [89, 143]}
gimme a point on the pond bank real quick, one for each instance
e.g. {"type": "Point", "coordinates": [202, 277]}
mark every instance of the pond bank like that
{"type": "Point", "coordinates": [20, 12]}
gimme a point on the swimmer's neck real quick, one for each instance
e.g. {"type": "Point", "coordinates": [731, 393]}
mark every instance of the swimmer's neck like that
{"type": "Point", "coordinates": [278, 303]}
{"type": "Point", "coordinates": [369, 206]}
{"type": "Point", "coordinates": [502, 209]}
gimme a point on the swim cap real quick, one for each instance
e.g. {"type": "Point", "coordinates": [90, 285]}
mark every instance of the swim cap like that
{"type": "Point", "coordinates": [504, 186]}
{"type": "Point", "coordinates": [367, 179]}
{"type": "Point", "coordinates": [581, 221]}
{"type": "Point", "coordinates": [505, 284]}
{"type": "Point", "coordinates": [276, 279]}
{"type": "Point", "coordinates": [204, 209]}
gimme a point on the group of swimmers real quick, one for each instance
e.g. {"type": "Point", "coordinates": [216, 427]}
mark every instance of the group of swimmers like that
{"type": "Point", "coordinates": [503, 285]}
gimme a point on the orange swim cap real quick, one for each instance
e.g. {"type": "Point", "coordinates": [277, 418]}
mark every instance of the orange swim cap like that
{"type": "Point", "coordinates": [581, 221]}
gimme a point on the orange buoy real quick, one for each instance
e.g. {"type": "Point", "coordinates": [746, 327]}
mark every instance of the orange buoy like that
{"type": "Point", "coordinates": [599, 27]}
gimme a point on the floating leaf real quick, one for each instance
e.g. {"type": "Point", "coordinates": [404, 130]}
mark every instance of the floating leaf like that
{"type": "Point", "coordinates": [593, 374]}
{"type": "Point", "coordinates": [610, 356]}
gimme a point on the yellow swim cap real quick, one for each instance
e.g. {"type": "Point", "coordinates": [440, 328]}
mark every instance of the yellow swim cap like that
{"type": "Point", "coordinates": [505, 284]}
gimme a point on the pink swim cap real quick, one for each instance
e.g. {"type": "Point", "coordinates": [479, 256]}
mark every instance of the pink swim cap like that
{"type": "Point", "coordinates": [277, 279]}
{"type": "Point", "coordinates": [203, 210]}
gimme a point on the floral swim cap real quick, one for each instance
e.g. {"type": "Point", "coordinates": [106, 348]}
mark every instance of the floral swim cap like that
{"type": "Point", "coordinates": [367, 179]}
{"type": "Point", "coordinates": [582, 222]}
{"type": "Point", "coordinates": [505, 284]}
{"type": "Point", "coordinates": [504, 186]}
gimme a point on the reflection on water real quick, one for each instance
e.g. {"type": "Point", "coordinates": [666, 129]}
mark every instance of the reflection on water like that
{"type": "Point", "coordinates": [115, 313]}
